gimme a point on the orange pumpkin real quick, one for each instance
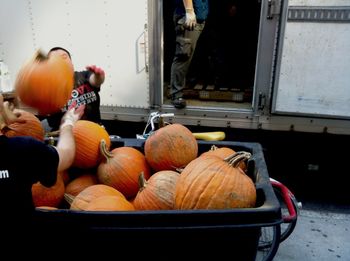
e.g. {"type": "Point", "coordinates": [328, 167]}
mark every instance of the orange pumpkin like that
{"type": "Point", "coordinates": [212, 183]}
{"type": "Point", "coordinates": [109, 203]}
{"type": "Point", "coordinates": [170, 147]}
{"type": "Point", "coordinates": [45, 83]}
{"type": "Point", "coordinates": [121, 168]}
{"type": "Point", "coordinates": [46, 208]}
{"type": "Point", "coordinates": [88, 136]}
{"type": "Point", "coordinates": [65, 176]}
{"type": "Point", "coordinates": [81, 201]}
{"type": "Point", "coordinates": [48, 196]}
{"type": "Point", "coordinates": [80, 183]}
{"type": "Point", "coordinates": [31, 127]}
{"type": "Point", "coordinates": [158, 192]}
{"type": "Point", "coordinates": [224, 152]}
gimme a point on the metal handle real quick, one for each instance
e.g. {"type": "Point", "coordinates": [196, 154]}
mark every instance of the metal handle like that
{"type": "Point", "coordinates": [269, 9]}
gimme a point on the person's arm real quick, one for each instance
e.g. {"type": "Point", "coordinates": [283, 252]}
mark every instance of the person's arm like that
{"type": "Point", "coordinates": [66, 141]}
{"type": "Point", "coordinates": [191, 19]}
{"type": "Point", "coordinates": [188, 4]}
{"type": "Point", "coordinates": [97, 77]}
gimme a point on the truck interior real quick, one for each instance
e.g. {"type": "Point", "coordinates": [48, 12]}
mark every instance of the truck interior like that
{"type": "Point", "coordinates": [222, 71]}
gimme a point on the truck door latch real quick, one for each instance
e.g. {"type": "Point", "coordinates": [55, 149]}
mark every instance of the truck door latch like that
{"type": "Point", "coordinates": [261, 101]}
{"type": "Point", "coordinates": [273, 8]}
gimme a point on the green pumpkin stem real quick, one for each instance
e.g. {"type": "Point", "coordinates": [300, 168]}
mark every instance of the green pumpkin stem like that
{"type": "Point", "coordinates": [69, 198]}
{"type": "Point", "coordinates": [104, 151]}
{"type": "Point", "coordinates": [142, 181]}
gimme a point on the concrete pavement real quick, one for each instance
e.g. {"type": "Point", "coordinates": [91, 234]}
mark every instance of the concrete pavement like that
{"type": "Point", "coordinates": [321, 234]}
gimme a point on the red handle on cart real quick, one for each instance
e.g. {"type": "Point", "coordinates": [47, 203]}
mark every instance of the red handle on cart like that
{"type": "Point", "coordinates": [287, 198]}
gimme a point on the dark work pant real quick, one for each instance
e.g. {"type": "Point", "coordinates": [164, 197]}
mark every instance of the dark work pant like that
{"type": "Point", "coordinates": [186, 41]}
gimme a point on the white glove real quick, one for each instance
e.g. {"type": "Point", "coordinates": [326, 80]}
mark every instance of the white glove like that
{"type": "Point", "coordinates": [191, 20]}
{"type": "Point", "coordinates": [72, 116]}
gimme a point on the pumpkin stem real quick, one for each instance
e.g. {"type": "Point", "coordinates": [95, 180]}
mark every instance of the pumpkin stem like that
{"type": "Point", "coordinates": [213, 147]}
{"type": "Point", "coordinates": [40, 56]}
{"type": "Point", "coordinates": [69, 198]}
{"type": "Point", "coordinates": [237, 157]}
{"type": "Point", "coordinates": [142, 181]}
{"type": "Point", "coordinates": [177, 169]}
{"type": "Point", "coordinates": [104, 151]}
{"type": "Point", "coordinates": [160, 122]}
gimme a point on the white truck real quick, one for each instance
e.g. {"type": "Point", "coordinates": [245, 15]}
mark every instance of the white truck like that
{"type": "Point", "coordinates": [291, 69]}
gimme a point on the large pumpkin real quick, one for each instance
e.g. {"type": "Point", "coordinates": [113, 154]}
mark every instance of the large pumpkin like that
{"type": "Point", "coordinates": [170, 147]}
{"type": "Point", "coordinates": [88, 136]}
{"type": "Point", "coordinates": [121, 168]}
{"type": "Point", "coordinates": [109, 203]}
{"type": "Point", "coordinates": [81, 201]}
{"type": "Point", "coordinates": [30, 127]}
{"type": "Point", "coordinates": [45, 83]}
{"type": "Point", "coordinates": [158, 192]}
{"type": "Point", "coordinates": [48, 196]}
{"type": "Point", "coordinates": [212, 183]}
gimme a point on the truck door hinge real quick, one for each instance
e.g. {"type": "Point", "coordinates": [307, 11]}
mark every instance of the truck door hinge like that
{"type": "Point", "coordinates": [273, 8]}
{"type": "Point", "coordinates": [261, 101]}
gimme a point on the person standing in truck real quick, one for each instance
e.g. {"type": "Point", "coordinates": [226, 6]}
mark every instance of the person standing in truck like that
{"type": "Point", "coordinates": [189, 20]}
{"type": "Point", "coordinates": [25, 161]}
{"type": "Point", "coordinates": [87, 84]}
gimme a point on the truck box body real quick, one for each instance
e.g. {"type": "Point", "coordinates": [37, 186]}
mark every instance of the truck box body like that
{"type": "Point", "coordinates": [288, 68]}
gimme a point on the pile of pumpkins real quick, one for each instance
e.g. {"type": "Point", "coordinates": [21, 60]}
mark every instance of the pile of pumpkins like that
{"type": "Point", "coordinates": [167, 174]}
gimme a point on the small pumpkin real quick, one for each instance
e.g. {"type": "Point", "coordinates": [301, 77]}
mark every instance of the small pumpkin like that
{"type": "Point", "coordinates": [45, 83]}
{"type": "Point", "coordinates": [121, 168]}
{"type": "Point", "coordinates": [170, 147]}
{"type": "Point", "coordinates": [109, 203]}
{"type": "Point", "coordinates": [81, 201]}
{"type": "Point", "coordinates": [48, 196]}
{"type": "Point", "coordinates": [88, 136]}
{"type": "Point", "coordinates": [158, 192]}
{"type": "Point", "coordinates": [77, 185]}
{"type": "Point", "coordinates": [31, 126]}
{"type": "Point", "coordinates": [212, 183]}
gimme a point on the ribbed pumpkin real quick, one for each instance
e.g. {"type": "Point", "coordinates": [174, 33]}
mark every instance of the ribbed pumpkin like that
{"type": "Point", "coordinates": [45, 83]}
{"type": "Point", "coordinates": [110, 203]}
{"type": "Point", "coordinates": [65, 176]}
{"type": "Point", "coordinates": [46, 208]}
{"type": "Point", "coordinates": [121, 168]}
{"type": "Point", "coordinates": [88, 136]}
{"type": "Point", "coordinates": [170, 147]}
{"type": "Point", "coordinates": [221, 152]}
{"type": "Point", "coordinates": [212, 183]}
{"type": "Point", "coordinates": [48, 196]}
{"type": "Point", "coordinates": [77, 185]}
{"type": "Point", "coordinates": [224, 152]}
{"type": "Point", "coordinates": [31, 127]}
{"type": "Point", "coordinates": [158, 192]}
{"type": "Point", "coordinates": [81, 201]}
